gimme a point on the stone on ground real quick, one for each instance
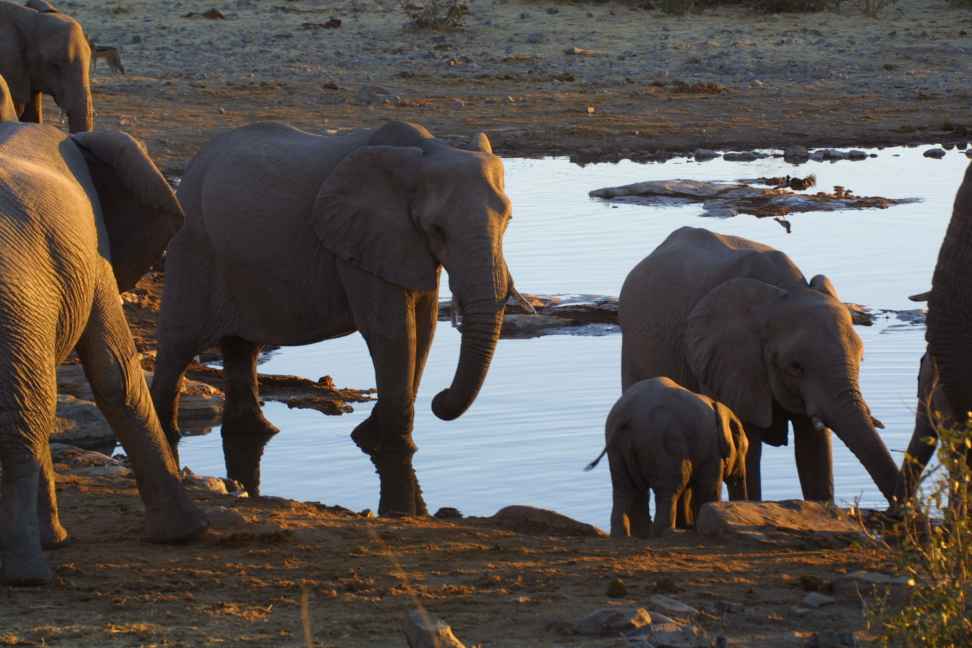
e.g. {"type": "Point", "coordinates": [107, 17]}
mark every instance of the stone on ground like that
{"type": "Point", "coordinates": [612, 621]}
{"type": "Point", "coordinates": [422, 631]}
{"type": "Point", "coordinates": [777, 522]}
{"type": "Point", "coordinates": [538, 521]}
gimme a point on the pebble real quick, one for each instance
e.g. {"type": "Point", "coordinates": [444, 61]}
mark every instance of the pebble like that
{"type": "Point", "coordinates": [616, 588]}
{"type": "Point", "coordinates": [935, 153]}
{"type": "Point", "coordinates": [703, 154]}
{"type": "Point", "coordinates": [817, 600]}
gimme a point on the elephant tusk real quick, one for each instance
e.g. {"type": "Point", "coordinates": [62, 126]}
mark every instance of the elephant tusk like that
{"type": "Point", "coordinates": [522, 301]}
{"type": "Point", "coordinates": [920, 297]}
{"type": "Point", "coordinates": [818, 425]}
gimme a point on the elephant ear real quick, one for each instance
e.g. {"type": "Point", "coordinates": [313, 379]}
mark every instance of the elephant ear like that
{"type": "Point", "coordinates": [822, 283]}
{"type": "Point", "coordinates": [138, 207]}
{"type": "Point", "coordinates": [363, 215]}
{"type": "Point", "coordinates": [724, 349]}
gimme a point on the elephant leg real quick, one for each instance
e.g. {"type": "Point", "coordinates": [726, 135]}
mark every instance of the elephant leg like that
{"type": "Point", "coordinates": [629, 507]}
{"type": "Point", "coordinates": [814, 459]}
{"type": "Point", "coordinates": [754, 480]}
{"type": "Point", "coordinates": [684, 511]}
{"type": "Point", "coordinates": [174, 356]}
{"type": "Point", "coordinates": [26, 418]}
{"type": "Point", "coordinates": [706, 486]}
{"type": "Point", "coordinates": [112, 366]}
{"type": "Point", "coordinates": [245, 431]}
{"type": "Point", "coordinates": [666, 501]}
{"type": "Point", "coordinates": [34, 109]}
{"type": "Point", "coordinates": [52, 534]}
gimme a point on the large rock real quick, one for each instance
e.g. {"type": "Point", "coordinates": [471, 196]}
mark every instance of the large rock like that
{"type": "Point", "coordinates": [777, 522]}
{"type": "Point", "coordinates": [80, 423]}
{"type": "Point", "coordinates": [537, 521]}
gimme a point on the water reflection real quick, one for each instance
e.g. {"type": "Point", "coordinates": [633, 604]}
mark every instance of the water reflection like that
{"type": "Point", "coordinates": [539, 418]}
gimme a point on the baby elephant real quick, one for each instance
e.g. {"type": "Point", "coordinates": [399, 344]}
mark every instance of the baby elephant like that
{"type": "Point", "coordinates": [682, 445]}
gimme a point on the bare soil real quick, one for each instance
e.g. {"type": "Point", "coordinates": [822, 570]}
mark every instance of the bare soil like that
{"type": "Point", "coordinates": [645, 86]}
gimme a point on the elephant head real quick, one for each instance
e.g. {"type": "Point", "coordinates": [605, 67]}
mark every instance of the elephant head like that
{"type": "Point", "coordinates": [734, 446]}
{"type": "Point", "coordinates": [139, 209]}
{"type": "Point", "coordinates": [7, 111]}
{"type": "Point", "coordinates": [401, 212]}
{"type": "Point", "coordinates": [49, 54]}
{"type": "Point", "coordinates": [949, 333]}
{"type": "Point", "coordinates": [755, 346]}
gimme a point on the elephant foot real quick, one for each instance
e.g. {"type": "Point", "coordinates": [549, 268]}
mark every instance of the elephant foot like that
{"type": "Point", "coordinates": [400, 490]}
{"type": "Point", "coordinates": [177, 522]}
{"type": "Point", "coordinates": [53, 535]}
{"type": "Point", "coordinates": [24, 569]}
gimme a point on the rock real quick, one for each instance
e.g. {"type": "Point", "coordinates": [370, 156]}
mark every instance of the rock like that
{"type": "Point", "coordinates": [796, 154]}
{"type": "Point", "coordinates": [368, 94]}
{"type": "Point", "coordinates": [537, 521]}
{"type": "Point", "coordinates": [744, 156]}
{"type": "Point", "coordinates": [88, 462]}
{"type": "Point", "coordinates": [670, 635]}
{"type": "Point", "coordinates": [671, 606]}
{"type": "Point", "coordinates": [817, 600]}
{"type": "Point", "coordinates": [205, 484]}
{"type": "Point", "coordinates": [703, 154]}
{"type": "Point", "coordinates": [612, 621]}
{"type": "Point", "coordinates": [421, 631]}
{"type": "Point", "coordinates": [616, 588]}
{"type": "Point", "coordinates": [81, 423]}
{"type": "Point", "coordinates": [935, 153]}
{"type": "Point", "coordinates": [536, 38]}
{"type": "Point", "coordinates": [458, 104]}
{"type": "Point", "coordinates": [857, 155]}
{"type": "Point", "coordinates": [448, 513]}
{"type": "Point", "coordinates": [781, 522]}
{"type": "Point", "coordinates": [858, 585]}
{"type": "Point", "coordinates": [831, 639]}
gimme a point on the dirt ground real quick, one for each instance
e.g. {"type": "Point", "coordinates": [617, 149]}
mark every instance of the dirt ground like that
{"type": "Point", "coordinates": [644, 85]}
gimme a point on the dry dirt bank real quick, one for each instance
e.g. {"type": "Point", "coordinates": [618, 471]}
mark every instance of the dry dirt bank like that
{"type": "Point", "coordinates": [644, 83]}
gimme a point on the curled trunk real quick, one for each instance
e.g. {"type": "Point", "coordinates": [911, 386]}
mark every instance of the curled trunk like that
{"type": "Point", "coordinates": [480, 332]}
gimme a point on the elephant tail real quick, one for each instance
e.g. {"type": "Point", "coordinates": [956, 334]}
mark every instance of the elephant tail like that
{"type": "Point", "coordinates": [593, 464]}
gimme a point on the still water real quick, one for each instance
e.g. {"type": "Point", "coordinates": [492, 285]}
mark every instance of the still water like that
{"type": "Point", "coordinates": [539, 418]}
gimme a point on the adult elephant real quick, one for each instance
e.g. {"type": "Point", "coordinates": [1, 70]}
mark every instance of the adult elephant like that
{"type": "Point", "coordinates": [46, 52]}
{"type": "Point", "coordinates": [737, 320]}
{"type": "Point", "coordinates": [292, 238]}
{"type": "Point", "coordinates": [7, 112]}
{"type": "Point", "coordinates": [81, 217]}
{"type": "Point", "coordinates": [945, 376]}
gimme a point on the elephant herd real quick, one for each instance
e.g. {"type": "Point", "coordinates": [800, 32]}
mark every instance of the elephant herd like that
{"type": "Point", "coordinates": [278, 236]}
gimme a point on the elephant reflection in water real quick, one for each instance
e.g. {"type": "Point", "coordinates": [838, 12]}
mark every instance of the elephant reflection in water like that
{"type": "Point", "coordinates": [292, 238]}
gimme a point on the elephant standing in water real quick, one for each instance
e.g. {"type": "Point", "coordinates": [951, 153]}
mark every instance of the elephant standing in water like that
{"type": "Point", "coordinates": [81, 218]}
{"type": "Point", "coordinates": [681, 445]}
{"type": "Point", "coordinates": [292, 238]}
{"type": "Point", "coordinates": [945, 378]}
{"type": "Point", "coordinates": [736, 320]}
{"type": "Point", "coordinates": [46, 52]}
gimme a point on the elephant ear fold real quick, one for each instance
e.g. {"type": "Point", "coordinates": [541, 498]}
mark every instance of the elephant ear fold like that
{"type": "Point", "coordinates": [363, 215]}
{"type": "Point", "coordinates": [140, 211]}
{"type": "Point", "coordinates": [822, 283]}
{"type": "Point", "coordinates": [724, 349]}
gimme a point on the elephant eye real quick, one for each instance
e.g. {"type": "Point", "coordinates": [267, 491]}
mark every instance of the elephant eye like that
{"type": "Point", "coordinates": [794, 369]}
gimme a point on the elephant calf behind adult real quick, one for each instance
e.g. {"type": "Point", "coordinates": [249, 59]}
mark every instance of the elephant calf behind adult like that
{"type": "Point", "coordinates": [737, 320]}
{"type": "Point", "coordinates": [293, 238]}
{"type": "Point", "coordinates": [46, 52]}
{"type": "Point", "coordinates": [80, 218]}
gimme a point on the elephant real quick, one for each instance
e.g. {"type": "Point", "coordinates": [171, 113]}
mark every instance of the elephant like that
{"type": "Point", "coordinates": [7, 112]}
{"type": "Point", "coordinates": [945, 379]}
{"type": "Point", "coordinates": [82, 217]}
{"type": "Point", "coordinates": [662, 437]}
{"type": "Point", "coordinates": [46, 52]}
{"type": "Point", "coordinates": [293, 238]}
{"type": "Point", "coordinates": [736, 320]}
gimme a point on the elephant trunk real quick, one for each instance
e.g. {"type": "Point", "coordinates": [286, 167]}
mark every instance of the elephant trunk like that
{"type": "Point", "coordinates": [852, 422]}
{"type": "Point", "coordinates": [948, 333]}
{"type": "Point", "coordinates": [481, 325]}
{"type": "Point", "coordinates": [81, 112]}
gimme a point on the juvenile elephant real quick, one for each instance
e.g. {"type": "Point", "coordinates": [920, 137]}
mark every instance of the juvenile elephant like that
{"type": "Point", "coordinates": [46, 52]}
{"type": "Point", "coordinates": [737, 320]}
{"type": "Point", "coordinates": [81, 217]}
{"type": "Point", "coordinates": [945, 378]}
{"type": "Point", "coordinates": [7, 112]}
{"type": "Point", "coordinates": [660, 436]}
{"type": "Point", "coordinates": [292, 238]}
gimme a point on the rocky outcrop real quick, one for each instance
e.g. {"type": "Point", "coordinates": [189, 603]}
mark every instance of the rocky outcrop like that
{"type": "Point", "coordinates": [787, 521]}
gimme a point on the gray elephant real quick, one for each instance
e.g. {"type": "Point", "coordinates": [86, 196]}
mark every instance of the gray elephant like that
{"type": "Point", "coordinates": [7, 112]}
{"type": "Point", "coordinates": [292, 238]}
{"type": "Point", "coordinates": [945, 378]}
{"type": "Point", "coordinates": [46, 52]}
{"type": "Point", "coordinates": [737, 320]}
{"type": "Point", "coordinates": [81, 217]}
{"type": "Point", "coordinates": [681, 445]}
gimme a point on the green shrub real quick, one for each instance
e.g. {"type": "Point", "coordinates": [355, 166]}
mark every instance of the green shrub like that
{"type": "Point", "coordinates": [936, 555]}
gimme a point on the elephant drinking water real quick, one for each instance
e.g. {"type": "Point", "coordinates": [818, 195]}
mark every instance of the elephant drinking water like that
{"type": "Point", "coordinates": [737, 321]}
{"type": "Point", "coordinates": [292, 238]}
